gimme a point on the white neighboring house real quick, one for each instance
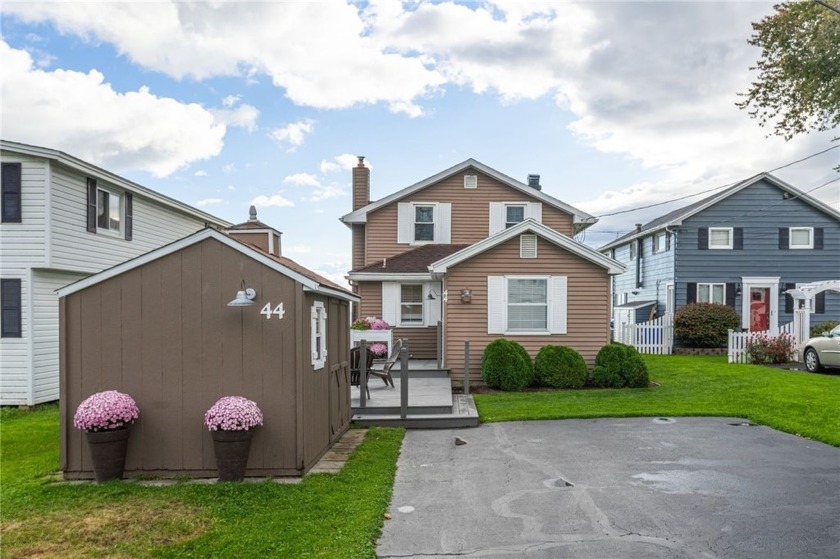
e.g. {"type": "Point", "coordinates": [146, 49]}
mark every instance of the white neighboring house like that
{"type": "Point", "coordinates": [64, 219]}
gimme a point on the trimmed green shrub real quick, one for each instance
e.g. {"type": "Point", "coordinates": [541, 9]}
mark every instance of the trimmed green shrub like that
{"type": "Point", "coordinates": [559, 366]}
{"type": "Point", "coordinates": [827, 326]}
{"type": "Point", "coordinates": [619, 365]}
{"type": "Point", "coordinates": [705, 324]}
{"type": "Point", "coordinates": [506, 365]}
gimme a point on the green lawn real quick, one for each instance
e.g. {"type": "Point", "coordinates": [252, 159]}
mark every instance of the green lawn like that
{"type": "Point", "coordinates": [337, 515]}
{"type": "Point", "coordinates": [801, 403]}
{"type": "Point", "coordinates": [341, 515]}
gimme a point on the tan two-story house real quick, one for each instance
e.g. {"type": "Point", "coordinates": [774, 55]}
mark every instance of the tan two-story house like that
{"type": "Point", "coordinates": [470, 254]}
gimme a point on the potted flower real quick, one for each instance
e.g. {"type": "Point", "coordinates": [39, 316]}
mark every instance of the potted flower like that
{"type": "Point", "coordinates": [106, 417]}
{"type": "Point", "coordinates": [231, 421]}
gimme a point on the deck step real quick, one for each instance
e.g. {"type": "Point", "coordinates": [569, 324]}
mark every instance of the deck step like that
{"type": "Point", "coordinates": [462, 413]}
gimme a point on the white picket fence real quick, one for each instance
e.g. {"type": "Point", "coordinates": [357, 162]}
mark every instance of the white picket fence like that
{"type": "Point", "coordinates": [737, 344]}
{"type": "Point", "coordinates": [655, 336]}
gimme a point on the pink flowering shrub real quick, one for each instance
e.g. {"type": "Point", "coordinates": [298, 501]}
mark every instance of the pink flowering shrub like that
{"type": "Point", "coordinates": [379, 324]}
{"type": "Point", "coordinates": [370, 323]}
{"type": "Point", "coordinates": [762, 349]}
{"type": "Point", "coordinates": [233, 413]}
{"type": "Point", "coordinates": [378, 349]}
{"type": "Point", "coordinates": [106, 411]}
{"type": "Point", "coordinates": [361, 324]}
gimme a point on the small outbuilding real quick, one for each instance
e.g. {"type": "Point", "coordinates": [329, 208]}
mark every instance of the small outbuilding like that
{"type": "Point", "coordinates": [164, 328]}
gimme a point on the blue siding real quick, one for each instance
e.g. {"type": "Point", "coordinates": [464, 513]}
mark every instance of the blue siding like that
{"type": "Point", "coordinates": [657, 270]}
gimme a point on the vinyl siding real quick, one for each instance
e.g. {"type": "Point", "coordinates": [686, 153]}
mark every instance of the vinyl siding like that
{"type": "Point", "coordinates": [23, 244]}
{"type": "Point", "coordinates": [45, 332]}
{"type": "Point", "coordinates": [15, 365]}
{"type": "Point", "coordinates": [588, 304]}
{"type": "Point", "coordinates": [74, 248]}
{"type": "Point", "coordinates": [760, 211]}
{"type": "Point", "coordinates": [470, 221]}
{"type": "Point", "coordinates": [657, 270]}
{"type": "Point", "coordinates": [422, 341]}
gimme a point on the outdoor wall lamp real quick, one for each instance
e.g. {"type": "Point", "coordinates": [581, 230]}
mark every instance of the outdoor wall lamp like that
{"type": "Point", "coordinates": [244, 297]}
{"type": "Point", "coordinates": [431, 295]}
{"type": "Point", "coordinates": [466, 296]}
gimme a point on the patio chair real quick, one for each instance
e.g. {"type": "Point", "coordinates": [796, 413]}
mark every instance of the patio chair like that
{"type": "Point", "coordinates": [385, 373]}
{"type": "Point", "coordinates": [356, 369]}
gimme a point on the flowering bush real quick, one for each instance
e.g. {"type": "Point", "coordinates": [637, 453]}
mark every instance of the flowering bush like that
{"type": "Point", "coordinates": [378, 349]}
{"type": "Point", "coordinates": [762, 349]}
{"type": "Point", "coordinates": [106, 411]}
{"type": "Point", "coordinates": [233, 413]}
{"type": "Point", "coordinates": [370, 323]}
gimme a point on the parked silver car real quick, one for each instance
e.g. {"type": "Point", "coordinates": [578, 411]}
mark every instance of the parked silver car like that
{"type": "Point", "coordinates": [823, 351]}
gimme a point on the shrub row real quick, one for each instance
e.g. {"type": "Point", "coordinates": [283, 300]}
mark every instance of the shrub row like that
{"type": "Point", "coordinates": [507, 366]}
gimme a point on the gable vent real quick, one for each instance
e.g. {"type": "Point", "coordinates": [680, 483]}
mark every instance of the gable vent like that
{"type": "Point", "coordinates": [470, 181]}
{"type": "Point", "coordinates": [527, 246]}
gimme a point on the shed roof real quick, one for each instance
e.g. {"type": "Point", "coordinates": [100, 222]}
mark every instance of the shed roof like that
{"type": "Point", "coordinates": [676, 217]}
{"type": "Point", "coordinates": [309, 279]}
{"type": "Point", "coordinates": [581, 218]}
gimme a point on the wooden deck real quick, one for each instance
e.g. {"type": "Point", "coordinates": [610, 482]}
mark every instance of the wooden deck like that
{"type": "Point", "coordinates": [431, 404]}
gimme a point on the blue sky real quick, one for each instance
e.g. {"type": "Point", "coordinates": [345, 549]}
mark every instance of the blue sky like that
{"type": "Point", "coordinates": [617, 105]}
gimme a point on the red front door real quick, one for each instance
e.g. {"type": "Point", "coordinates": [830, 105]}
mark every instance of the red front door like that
{"type": "Point", "coordinates": [759, 309]}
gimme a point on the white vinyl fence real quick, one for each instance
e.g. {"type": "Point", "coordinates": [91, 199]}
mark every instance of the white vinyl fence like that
{"type": "Point", "coordinates": [738, 342]}
{"type": "Point", "coordinates": [655, 336]}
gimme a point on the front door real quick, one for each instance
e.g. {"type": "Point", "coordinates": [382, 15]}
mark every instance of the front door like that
{"type": "Point", "coordinates": [759, 309]}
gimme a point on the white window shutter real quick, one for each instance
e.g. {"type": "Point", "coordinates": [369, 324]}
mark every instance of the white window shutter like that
{"type": "Point", "coordinates": [405, 222]}
{"type": "Point", "coordinates": [497, 217]}
{"type": "Point", "coordinates": [390, 301]}
{"type": "Point", "coordinates": [534, 211]}
{"type": "Point", "coordinates": [443, 223]}
{"type": "Point", "coordinates": [496, 305]}
{"type": "Point", "coordinates": [558, 293]}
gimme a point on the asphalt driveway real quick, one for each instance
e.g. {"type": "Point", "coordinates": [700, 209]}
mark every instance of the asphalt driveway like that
{"type": "Point", "coordinates": [640, 487]}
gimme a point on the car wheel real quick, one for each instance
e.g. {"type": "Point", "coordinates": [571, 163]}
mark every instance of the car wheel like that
{"type": "Point", "coordinates": [812, 361]}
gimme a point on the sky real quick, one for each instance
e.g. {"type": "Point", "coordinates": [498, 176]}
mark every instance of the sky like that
{"type": "Point", "coordinates": [617, 105]}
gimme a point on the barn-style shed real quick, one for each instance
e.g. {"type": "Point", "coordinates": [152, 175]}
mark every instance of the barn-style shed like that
{"type": "Point", "coordinates": [160, 328]}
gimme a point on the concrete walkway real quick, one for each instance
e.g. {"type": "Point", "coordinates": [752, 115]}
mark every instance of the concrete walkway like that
{"type": "Point", "coordinates": [640, 487]}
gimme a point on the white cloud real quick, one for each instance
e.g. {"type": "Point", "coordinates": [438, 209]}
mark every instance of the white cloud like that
{"type": "Point", "coordinates": [293, 134]}
{"type": "Point", "coordinates": [132, 130]}
{"type": "Point", "coordinates": [327, 192]}
{"type": "Point", "coordinates": [231, 100]}
{"type": "Point", "coordinates": [297, 249]}
{"type": "Point", "coordinates": [209, 202]}
{"type": "Point", "coordinates": [243, 116]}
{"type": "Point", "coordinates": [200, 173]}
{"type": "Point", "coordinates": [302, 179]}
{"type": "Point", "coordinates": [343, 162]}
{"type": "Point", "coordinates": [229, 168]}
{"type": "Point", "coordinates": [263, 201]}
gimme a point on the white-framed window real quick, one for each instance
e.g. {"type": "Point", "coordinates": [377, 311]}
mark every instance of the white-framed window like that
{"type": "Point", "coordinates": [660, 242]}
{"type": "Point", "coordinates": [526, 305]}
{"type": "Point", "coordinates": [424, 223]}
{"type": "Point", "coordinates": [801, 237]}
{"type": "Point", "coordinates": [109, 211]}
{"type": "Point", "coordinates": [623, 298]}
{"type": "Point", "coordinates": [514, 213]}
{"type": "Point", "coordinates": [319, 335]}
{"type": "Point", "coordinates": [633, 249]}
{"type": "Point", "coordinates": [720, 238]}
{"type": "Point", "coordinates": [411, 304]}
{"type": "Point", "coordinates": [711, 293]}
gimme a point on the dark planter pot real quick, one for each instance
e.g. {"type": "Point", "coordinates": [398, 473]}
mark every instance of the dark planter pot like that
{"type": "Point", "coordinates": [107, 449]}
{"type": "Point", "coordinates": [232, 449]}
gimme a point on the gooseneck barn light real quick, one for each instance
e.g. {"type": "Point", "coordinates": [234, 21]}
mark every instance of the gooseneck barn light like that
{"type": "Point", "coordinates": [244, 297]}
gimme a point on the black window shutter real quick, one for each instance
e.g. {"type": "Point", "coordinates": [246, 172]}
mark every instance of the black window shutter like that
{"type": "Point", "coordinates": [129, 215]}
{"type": "Point", "coordinates": [91, 205]}
{"type": "Point", "coordinates": [788, 298]}
{"type": "Point", "coordinates": [702, 238]}
{"type": "Point", "coordinates": [730, 295]}
{"type": "Point", "coordinates": [784, 238]}
{"type": "Point", "coordinates": [819, 303]}
{"type": "Point", "coordinates": [10, 321]}
{"type": "Point", "coordinates": [738, 238]}
{"type": "Point", "coordinates": [691, 293]}
{"type": "Point", "coordinates": [11, 212]}
{"type": "Point", "coordinates": [818, 238]}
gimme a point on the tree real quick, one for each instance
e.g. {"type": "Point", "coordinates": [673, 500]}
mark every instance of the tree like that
{"type": "Point", "coordinates": [798, 86]}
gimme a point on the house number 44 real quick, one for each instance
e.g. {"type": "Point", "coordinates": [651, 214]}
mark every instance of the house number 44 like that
{"type": "Point", "coordinates": [268, 311]}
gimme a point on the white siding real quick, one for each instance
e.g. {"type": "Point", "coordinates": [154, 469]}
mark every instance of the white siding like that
{"type": "Point", "coordinates": [22, 244]}
{"type": "Point", "coordinates": [45, 332]}
{"type": "Point", "coordinates": [74, 248]}
{"type": "Point", "coordinates": [14, 352]}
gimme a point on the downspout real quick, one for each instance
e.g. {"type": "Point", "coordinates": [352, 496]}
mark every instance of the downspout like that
{"type": "Point", "coordinates": [639, 247]}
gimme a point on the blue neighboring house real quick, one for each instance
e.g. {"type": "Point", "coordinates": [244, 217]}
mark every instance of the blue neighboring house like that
{"type": "Point", "coordinates": [743, 247]}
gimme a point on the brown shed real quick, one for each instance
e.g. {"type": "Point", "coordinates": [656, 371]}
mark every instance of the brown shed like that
{"type": "Point", "coordinates": [159, 329]}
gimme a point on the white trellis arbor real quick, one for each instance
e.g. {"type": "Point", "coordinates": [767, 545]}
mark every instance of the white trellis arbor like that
{"type": "Point", "coordinates": [802, 311]}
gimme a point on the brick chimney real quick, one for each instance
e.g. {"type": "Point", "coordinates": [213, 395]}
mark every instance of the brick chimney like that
{"type": "Point", "coordinates": [361, 184]}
